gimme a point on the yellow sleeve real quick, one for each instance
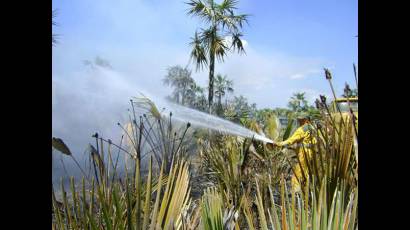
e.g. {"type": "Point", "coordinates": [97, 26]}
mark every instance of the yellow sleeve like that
{"type": "Point", "coordinates": [297, 136]}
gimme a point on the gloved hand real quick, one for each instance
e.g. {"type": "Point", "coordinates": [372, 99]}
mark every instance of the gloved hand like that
{"type": "Point", "coordinates": [275, 144]}
{"type": "Point", "coordinates": [279, 144]}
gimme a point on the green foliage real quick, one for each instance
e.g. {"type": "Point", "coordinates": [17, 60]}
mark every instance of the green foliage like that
{"type": "Point", "coordinates": [155, 130]}
{"type": "Point", "coordinates": [123, 206]}
{"type": "Point", "coordinates": [231, 164]}
{"type": "Point", "coordinates": [225, 166]}
{"type": "Point", "coordinates": [222, 86]}
{"type": "Point", "coordinates": [248, 181]}
{"type": "Point", "coordinates": [308, 211]}
{"type": "Point", "coordinates": [214, 216]}
{"type": "Point", "coordinates": [289, 128]}
{"type": "Point", "coordinates": [184, 87]}
{"type": "Point", "coordinates": [298, 102]}
{"type": "Point", "coordinates": [272, 127]}
{"type": "Point", "coordinates": [239, 109]}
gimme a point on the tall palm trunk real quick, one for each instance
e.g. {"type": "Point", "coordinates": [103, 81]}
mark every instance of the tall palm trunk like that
{"type": "Point", "coordinates": [183, 96]}
{"type": "Point", "coordinates": [219, 109]}
{"type": "Point", "coordinates": [211, 81]}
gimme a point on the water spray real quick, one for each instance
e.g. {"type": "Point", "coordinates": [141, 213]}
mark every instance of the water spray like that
{"type": "Point", "coordinates": [204, 120]}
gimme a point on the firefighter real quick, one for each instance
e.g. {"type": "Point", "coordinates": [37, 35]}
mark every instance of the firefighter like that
{"type": "Point", "coordinates": [304, 141]}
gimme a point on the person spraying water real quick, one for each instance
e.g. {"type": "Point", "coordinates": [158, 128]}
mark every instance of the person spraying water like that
{"type": "Point", "coordinates": [304, 141]}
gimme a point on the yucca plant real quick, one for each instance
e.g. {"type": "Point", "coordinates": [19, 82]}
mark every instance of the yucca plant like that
{"type": "Point", "coordinates": [154, 133]}
{"type": "Point", "coordinates": [232, 164]}
{"type": "Point", "coordinates": [224, 164]}
{"type": "Point", "coordinates": [332, 158]}
{"type": "Point", "coordinates": [58, 144]}
{"type": "Point", "coordinates": [162, 202]}
{"type": "Point", "coordinates": [303, 211]}
{"type": "Point", "coordinates": [334, 155]}
{"type": "Point", "coordinates": [214, 216]}
{"type": "Point", "coordinates": [155, 200]}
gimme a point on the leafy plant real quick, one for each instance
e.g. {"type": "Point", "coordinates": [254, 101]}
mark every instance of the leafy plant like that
{"type": "Point", "coordinates": [308, 211]}
{"type": "Point", "coordinates": [214, 216]}
{"type": "Point", "coordinates": [155, 130]}
{"type": "Point", "coordinates": [159, 204]}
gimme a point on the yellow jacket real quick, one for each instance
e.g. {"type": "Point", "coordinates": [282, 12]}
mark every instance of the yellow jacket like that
{"type": "Point", "coordinates": [301, 135]}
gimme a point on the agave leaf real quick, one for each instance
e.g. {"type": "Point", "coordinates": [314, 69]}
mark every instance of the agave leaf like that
{"type": "Point", "coordinates": [288, 129]}
{"type": "Point", "coordinates": [274, 210]}
{"type": "Point", "coordinates": [57, 211]}
{"type": "Point", "coordinates": [247, 211]}
{"type": "Point", "coordinates": [147, 196]}
{"type": "Point", "coordinates": [105, 209]}
{"type": "Point", "coordinates": [76, 210]}
{"type": "Point", "coordinates": [84, 199]}
{"type": "Point", "coordinates": [211, 207]}
{"type": "Point", "coordinates": [145, 103]}
{"type": "Point", "coordinates": [272, 127]}
{"type": "Point", "coordinates": [59, 144]}
{"type": "Point", "coordinates": [67, 209]}
{"type": "Point", "coordinates": [261, 210]}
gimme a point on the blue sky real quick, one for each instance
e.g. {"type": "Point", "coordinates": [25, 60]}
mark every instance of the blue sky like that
{"type": "Point", "coordinates": [299, 38]}
{"type": "Point", "coordinates": [288, 43]}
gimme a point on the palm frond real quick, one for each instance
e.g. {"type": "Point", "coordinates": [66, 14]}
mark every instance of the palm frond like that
{"type": "Point", "coordinates": [200, 9]}
{"type": "Point", "coordinates": [219, 47]}
{"type": "Point", "coordinates": [198, 53]}
{"type": "Point", "coordinates": [228, 5]}
{"type": "Point", "coordinates": [237, 42]}
{"type": "Point", "coordinates": [59, 144]}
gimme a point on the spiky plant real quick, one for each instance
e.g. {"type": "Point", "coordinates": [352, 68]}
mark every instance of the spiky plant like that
{"type": "Point", "coordinates": [224, 164]}
{"type": "Point", "coordinates": [231, 164]}
{"type": "Point", "coordinates": [222, 86]}
{"type": "Point", "coordinates": [334, 156]}
{"type": "Point", "coordinates": [153, 133]}
{"type": "Point", "coordinates": [308, 211]}
{"type": "Point", "coordinates": [159, 204]}
{"type": "Point", "coordinates": [214, 215]}
{"type": "Point", "coordinates": [138, 201]}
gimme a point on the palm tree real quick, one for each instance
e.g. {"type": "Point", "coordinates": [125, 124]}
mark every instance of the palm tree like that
{"type": "Point", "coordinates": [282, 112]}
{"type": "Point", "coordinates": [192, 94]}
{"type": "Point", "coordinates": [222, 86]}
{"type": "Point", "coordinates": [180, 79]}
{"type": "Point", "coordinates": [212, 42]}
{"type": "Point", "coordinates": [347, 92]}
{"type": "Point", "coordinates": [298, 102]}
{"type": "Point", "coordinates": [200, 99]}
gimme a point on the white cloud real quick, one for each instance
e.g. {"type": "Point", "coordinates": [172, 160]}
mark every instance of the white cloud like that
{"type": "Point", "coordinates": [262, 76]}
{"type": "Point", "coordinates": [308, 73]}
